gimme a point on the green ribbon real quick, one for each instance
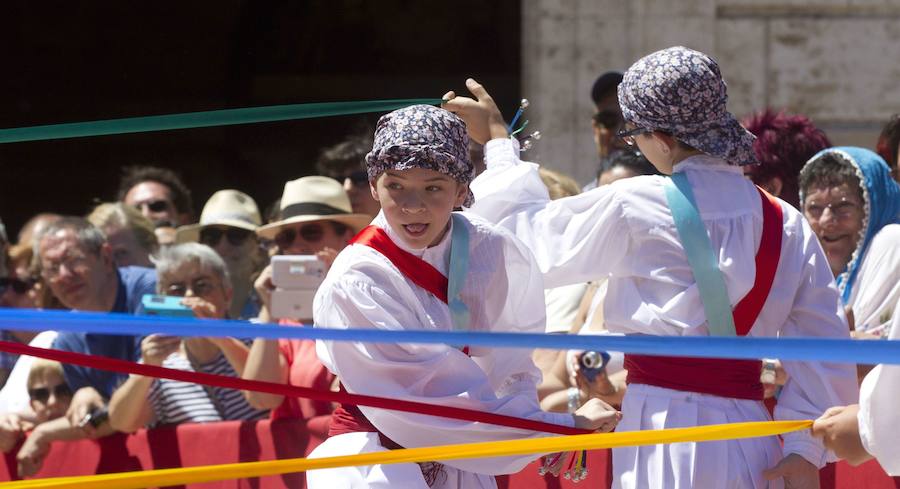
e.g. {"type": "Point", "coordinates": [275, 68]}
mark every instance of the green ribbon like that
{"type": "Point", "coordinates": [226, 117]}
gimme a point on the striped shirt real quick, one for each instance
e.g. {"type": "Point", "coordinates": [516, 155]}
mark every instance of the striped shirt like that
{"type": "Point", "coordinates": [177, 402]}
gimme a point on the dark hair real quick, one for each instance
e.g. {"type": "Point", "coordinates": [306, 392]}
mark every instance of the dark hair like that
{"type": "Point", "coordinates": [88, 236]}
{"type": "Point", "coordinates": [633, 161]}
{"type": "Point", "coordinates": [348, 155]}
{"type": "Point", "coordinates": [784, 143]}
{"type": "Point", "coordinates": [181, 195]}
{"type": "Point", "coordinates": [888, 141]}
{"type": "Point", "coordinates": [605, 84]}
{"type": "Point", "coordinates": [828, 170]}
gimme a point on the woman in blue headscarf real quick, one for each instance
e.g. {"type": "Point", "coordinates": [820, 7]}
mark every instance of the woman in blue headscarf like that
{"type": "Point", "coordinates": [853, 206]}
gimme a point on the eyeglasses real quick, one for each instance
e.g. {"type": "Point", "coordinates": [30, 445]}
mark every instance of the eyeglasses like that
{"type": "Point", "coordinates": [211, 236]}
{"type": "Point", "coordinates": [199, 286]}
{"type": "Point", "coordinates": [609, 119]}
{"type": "Point", "coordinates": [311, 233]}
{"type": "Point", "coordinates": [17, 285]}
{"type": "Point", "coordinates": [154, 205]}
{"type": "Point", "coordinates": [628, 135]}
{"type": "Point", "coordinates": [74, 264]}
{"type": "Point", "coordinates": [839, 210]}
{"type": "Point", "coordinates": [42, 394]}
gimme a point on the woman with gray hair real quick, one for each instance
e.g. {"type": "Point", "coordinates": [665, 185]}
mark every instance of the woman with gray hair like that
{"type": "Point", "coordinates": [196, 273]}
{"type": "Point", "coordinates": [766, 275]}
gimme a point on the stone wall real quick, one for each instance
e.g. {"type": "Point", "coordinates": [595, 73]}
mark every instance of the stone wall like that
{"type": "Point", "coordinates": [838, 61]}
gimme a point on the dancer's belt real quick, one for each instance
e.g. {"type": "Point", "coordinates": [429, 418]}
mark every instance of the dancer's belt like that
{"type": "Point", "coordinates": [726, 378]}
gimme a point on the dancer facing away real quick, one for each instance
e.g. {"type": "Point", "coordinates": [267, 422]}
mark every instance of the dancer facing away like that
{"type": "Point", "coordinates": [674, 103]}
{"type": "Point", "coordinates": [419, 171]}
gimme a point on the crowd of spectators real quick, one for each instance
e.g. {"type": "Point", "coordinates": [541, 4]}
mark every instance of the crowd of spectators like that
{"type": "Point", "coordinates": [148, 242]}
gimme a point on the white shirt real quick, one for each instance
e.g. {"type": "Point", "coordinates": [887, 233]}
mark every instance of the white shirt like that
{"type": "Point", "coordinates": [877, 288]}
{"type": "Point", "coordinates": [503, 291]}
{"type": "Point", "coordinates": [879, 416]}
{"type": "Point", "coordinates": [626, 229]}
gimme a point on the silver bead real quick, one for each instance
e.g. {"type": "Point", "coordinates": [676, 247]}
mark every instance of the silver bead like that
{"type": "Point", "coordinates": [527, 145]}
{"type": "Point", "coordinates": [536, 135]}
{"type": "Point", "coordinates": [524, 103]}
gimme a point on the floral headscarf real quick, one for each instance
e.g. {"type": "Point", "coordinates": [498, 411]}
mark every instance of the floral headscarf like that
{"type": "Point", "coordinates": [681, 92]}
{"type": "Point", "coordinates": [881, 202]}
{"type": "Point", "coordinates": [422, 136]}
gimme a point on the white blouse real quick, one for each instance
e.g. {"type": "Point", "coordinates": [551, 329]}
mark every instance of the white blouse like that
{"type": "Point", "coordinates": [877, 287]}
{"type": "Point", "coordinates": [626, 230]}
{"type": "Point", "coordinates": [503, 291]}
{"type": "Point", "coordinates": [878, 414]}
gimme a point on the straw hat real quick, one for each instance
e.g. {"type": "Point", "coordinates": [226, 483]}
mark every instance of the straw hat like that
{"type": "Point", "coordinates": [311, 199]}
{"type": "Point", "coordinates": [225, 208]}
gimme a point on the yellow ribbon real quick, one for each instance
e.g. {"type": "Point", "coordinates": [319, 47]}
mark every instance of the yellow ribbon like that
{"type": "Point", "coordinates": [210, 473]}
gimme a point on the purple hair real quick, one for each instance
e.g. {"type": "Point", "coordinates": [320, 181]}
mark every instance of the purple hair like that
{"type": "Point", "coordinates": [784, 143]}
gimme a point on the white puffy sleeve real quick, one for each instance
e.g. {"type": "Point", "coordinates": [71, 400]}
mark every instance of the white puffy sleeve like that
{"type": "Point", "coordinates": [879, 416]}
{"type": "Point", "coordinates": [369, 297]}
{"type": "Point", "coordinates": [574, 239]}
{"type": "Point", "coordinates": [813, 387]}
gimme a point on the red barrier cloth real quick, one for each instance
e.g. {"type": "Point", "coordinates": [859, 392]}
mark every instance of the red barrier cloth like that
{"type": "Point", "coordinates": [189, 445]}
{"type": "Point", "coordinates": [116, 365]}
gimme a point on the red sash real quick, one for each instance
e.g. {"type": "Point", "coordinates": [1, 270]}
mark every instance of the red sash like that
{"type": "Point", "coordinates": [727, 378]}
{"type": "Point", "coordinates": [414, 268]}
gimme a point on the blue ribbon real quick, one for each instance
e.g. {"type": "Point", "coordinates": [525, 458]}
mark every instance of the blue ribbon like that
{"type": "Point", "coordinates": [797, 349]}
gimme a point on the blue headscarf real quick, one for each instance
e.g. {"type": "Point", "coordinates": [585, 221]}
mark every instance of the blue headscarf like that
{"type": "Point", "coordinates": [881, 201]}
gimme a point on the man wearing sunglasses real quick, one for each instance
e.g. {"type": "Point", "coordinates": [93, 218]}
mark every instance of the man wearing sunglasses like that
{"type": "Point", "coordinates": [344, 162]}
{"type": "Point", "coordinates": [607, 118]}
{"type": "Point", "coordinates": [228, 225]}
{"type": "Point", "coordinates": [160, 195]}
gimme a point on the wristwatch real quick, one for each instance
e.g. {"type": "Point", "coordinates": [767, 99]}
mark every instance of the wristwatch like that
{"type": "Point", "coordinates": [768, 371]}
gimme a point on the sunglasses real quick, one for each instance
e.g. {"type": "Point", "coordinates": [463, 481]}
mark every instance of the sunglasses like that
{"type": "Point", "coordinates": [628, 135]}
{"type": "Point", "coordinates": [154, 205]}
{"type": "Point", "coordinates": [42, 394]}
{"type": "Point", "coordinates": [200, 287]}
{"type": "Point", "coordinates": [311, 233]}
{"type": "Point", "coordinates": [17, 285]}
{"type": "Point", "coordinates": [358, 177]}
{"type": "Point", "coordinates": [212, 235]}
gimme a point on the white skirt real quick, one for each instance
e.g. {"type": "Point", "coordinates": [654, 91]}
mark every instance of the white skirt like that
{"type": "Point", "coordinates": [407, 476]}
{"type": "Point", "coordinates": [734, 464]}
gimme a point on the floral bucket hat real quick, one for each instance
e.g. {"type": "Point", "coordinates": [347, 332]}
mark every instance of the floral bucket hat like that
{"type": "Point", "coordinates": [680, 91]}
{"type": "Point", "coordinates": [422, 136]}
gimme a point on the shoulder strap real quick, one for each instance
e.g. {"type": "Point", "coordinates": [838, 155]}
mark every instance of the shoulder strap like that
{"type": "Point", "coordinates": [459, 270]}
{"type": "Point", "coordinates": [704, 262]}
{"type": "Point", "coordinates": [767, 258]}
{"type": "Point", "coordinates": [416, 269]}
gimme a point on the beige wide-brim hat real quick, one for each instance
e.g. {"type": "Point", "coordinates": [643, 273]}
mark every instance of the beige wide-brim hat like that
{"type": "Point", "coordinates": [311, 199]}
{"type": "Point", "coordinates": [225, 208]}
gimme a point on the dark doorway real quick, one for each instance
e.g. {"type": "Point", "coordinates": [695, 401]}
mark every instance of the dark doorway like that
{"type": "Point", "coordinates": [83, 61]}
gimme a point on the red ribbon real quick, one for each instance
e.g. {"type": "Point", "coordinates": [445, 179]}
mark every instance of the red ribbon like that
{"type": "Point", "coordinates": [121, 366]}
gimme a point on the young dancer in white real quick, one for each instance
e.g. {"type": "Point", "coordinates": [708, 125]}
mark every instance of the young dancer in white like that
{"type": "Point", "coordinates": [673, 102]}
{"type": "Point", "coordinates": [400, 273]}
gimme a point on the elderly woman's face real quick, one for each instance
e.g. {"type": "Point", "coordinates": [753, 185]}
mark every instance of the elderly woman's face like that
{"type": "Point", "coordinates": [193, 280]}
{"type": "Point", "coordinates": [836, 215]}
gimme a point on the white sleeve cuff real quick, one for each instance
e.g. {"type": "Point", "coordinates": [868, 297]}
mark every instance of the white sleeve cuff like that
{"type": "Point", "coordinates": [802, 443]}
{"type": "Point", "coordinates": [502, 151]}
{"type": "Point", "coordinates": [562, 419]}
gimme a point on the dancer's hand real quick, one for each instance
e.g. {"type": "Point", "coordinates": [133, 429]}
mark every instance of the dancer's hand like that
{"type": "Point", "coordinates": [483, 119]}
{"type": "Point", "coordinates": [596, 415]}
{"type": "Point", "coordinates": [838, 428]}
{"type": "Point", "coordinates": [797, 472]}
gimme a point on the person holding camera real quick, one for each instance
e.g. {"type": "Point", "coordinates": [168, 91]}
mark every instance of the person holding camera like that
{"type": "Point", "coordinates": [199, 275]}
{"type": "Point", "coordinates": [316, 222]}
